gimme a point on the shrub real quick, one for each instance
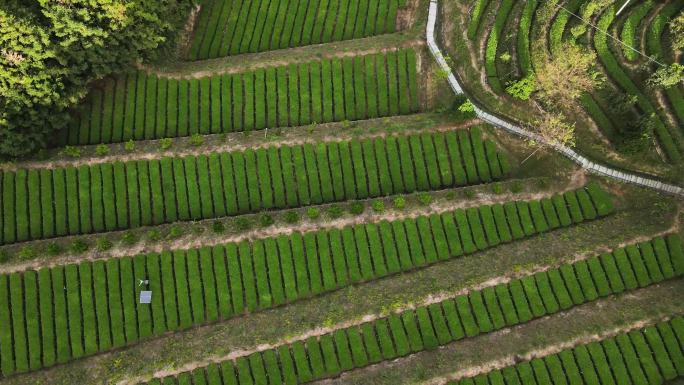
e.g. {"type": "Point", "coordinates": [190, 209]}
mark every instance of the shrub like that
{"type": "Point", "coordinates": [425, 199]}
{"type": "Point", "coordinates": [175, 232]}
{"type": "Point", "coordinates": [470, 194]}
{"type": "Point", "coordinates": [79, 246]}
{"type": "Point", "coordinates": [313, 212]}
{"type": "Point", "coordinates": [26, 253]}
{"type": "Point", "coordinates": [399, 203]}
{"type": "Point", "coordinates": [196, 139]}
{"type": "Point", "coordinates": [129, 238]}
{"type": "Point", "coordinates": [243, 224]}
{"type": "Point", "coordinates": [154, 235]}
{"type": "Point", "coordinates": [497, 189]}
{"type": "Point", "coordinates": [291, 217]}
{"type": "Point", "coordinates": [165, 143]}
{"type": "Point", "coordinates": [53, 249]}
{"type": "Point", "coordinates": [378, 206]}
{"type": "Point", "coordinates": [104, 244]}
{"type": "Point", "coordinates": [335, 212]}
{"type": "Point", "coordinates": [357, 208]}
{"type": "Point", "coordinates": [72, 152]}
{"type": "Point", "coordinates": [129, 146]}
{"type": "Point", "coordinates": [466, 107]}
{"type": "Point", "coordinates": [218, 227]}
{"type": "Point", "coordinates": [522, 89]}
{"type": "Point", "coordinates": [101, 150]}
{"type": "Point", "coordinates": [4, 257]}
{"type": "Point", "coordinates": [266, 220]}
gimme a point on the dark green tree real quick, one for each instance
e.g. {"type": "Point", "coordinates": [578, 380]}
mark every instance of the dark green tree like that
{"type": "Point", "coordinates": [50, 50]}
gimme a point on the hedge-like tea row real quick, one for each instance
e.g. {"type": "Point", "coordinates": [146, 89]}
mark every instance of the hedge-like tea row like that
{"type": "Point", "coordinates": [113, 196]}
{"type": "Point", "coordinates": [560, 22]}
{"type": "Point", "coordinates": [654, 42]}
{"type": "Point", "coordinates": [524, 31]}
{"type": "Point", "coordinates": [493, 44]}
{"type": "Point", "coordinates": [196, 286]}
{"type": "Point", "coordinates": [475, 17]}
{"type": "Point", "coordinates": [670, 141]}
{"type": "Point", "coordinates": [631, 28]}
{"type": "Point", "coordinates": [141, 106]}
{"type": "Point", "coordinates": [425, 328]}
{"type": "Point", "coordinates": [39, 204]}
{"type": "Point", "coordinates": [652, 355]}
{"type": "Point", "coordinates": [231, 27]}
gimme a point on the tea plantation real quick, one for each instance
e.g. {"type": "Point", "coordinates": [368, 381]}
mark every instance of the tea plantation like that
{"type": "Point", "coordinates": [306, 200]}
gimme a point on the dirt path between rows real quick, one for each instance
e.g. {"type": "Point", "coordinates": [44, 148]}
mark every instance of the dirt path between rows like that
{"type": "Point", "coordinates": [428, 300]}
{"type": "Point", "coordinates": [513, 359]}
{"type": "Point", "coordinates": [239, 142]}
{"type": "Point", "coordinates": [577, 180]}
{"type": "Point", "coordinates": [593, 321]}
{"type": "Point", "coordinates": [299, 55]}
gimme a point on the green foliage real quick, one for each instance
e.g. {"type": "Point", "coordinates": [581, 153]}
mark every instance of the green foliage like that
{"type": "Point", "coordinates": [292, 217]}
{"type": "Point", "coordinates": [59, 47]}
{"type": "Point", "coordinates": [103, 244]}
{"type": "Point", "coordinates": [72, 152]}
{"type": "Point", "coordinates": [129, 146]}
{"type": "Point", "coordinates": [677, 32]}
{"type": "Point", "coordinates": [668, 77]}
{"type": "Point", "coordinates": [382, 84]}
{"type": "Point", "coordinates": [497, 188]}
{"type": "Point", "coordinates": [378, 206]}
{"type": "Point", "coordinates": [217, 283]}
{"type": "Point", "coordinates": [26, 253]}
{"type": "Point", "coordinates": [266, 220]}
{"type": "Point", "coordinates": [175, 232]}
{"type": "Point", "coordinates": [132, 194]}
{"type": "Point", "coordinates": [466, 107]}
{"type": "Point", "coordinates": [218, 227]}
{"type": "Point", "coordinates": [313, 212]}
{"type": "Point", "coordinates": [424, 199]}
{"type": "Point", "coordinates": [79, 246]}
{"type": "Point", "coordinates": [399, 203]}
{"type": "Point", "coordinates": [101, 150]}
{"type": "Point", "coordinates": [523, 88]}
{"type": "Point", "coordinates": [196, 139]}
{"type": "Point", "coordinates": [357, 208]}
{"type": "Point", "coordinates": [4, 256]}
{"type": "Point", "coordinates": [129, 238]}
{"type": "Point", "coordinates": [335, 212]}
{"type": "Point", "coordinates": [53, 249]}
{"type": "Point", "coordinates": [154, 235]}
{"type": "Point", "coordinates": [165, 143]}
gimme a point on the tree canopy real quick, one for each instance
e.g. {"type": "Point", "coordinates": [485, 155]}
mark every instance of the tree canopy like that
{"type": "Point", "coordinates": [51, 49]}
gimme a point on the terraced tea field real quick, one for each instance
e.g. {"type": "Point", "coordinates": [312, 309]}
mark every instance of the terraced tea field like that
{"type": "Point", "coordinates": [308, 201]}
{"type": "Point", "coordinates": [627, 114]}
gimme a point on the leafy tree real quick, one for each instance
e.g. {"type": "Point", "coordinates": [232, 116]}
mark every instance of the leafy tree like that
{"type": "Point", "coordinates": [668, 76]}
{"type": "Point", "coordinates": [554, 129]}
{"type": "Point", "coordinates": [50, 50]}
{"type": "Point", "coordinates": [566, 76]}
